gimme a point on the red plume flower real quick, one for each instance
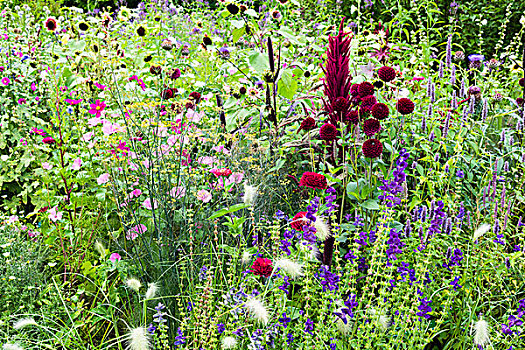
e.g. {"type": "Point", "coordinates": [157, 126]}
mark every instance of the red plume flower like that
{"type": "Point", "coordinates": [313, 180]}
{"type": "Point", "coordinates": [372, 148]}
{"type": "Point", "coordinates": [371, 126]}
{"type": "Point", "coordinates": [405, 106]}
{"type": "Point", "coordinates": [328, 132]}
{"type": "Point", "coordinates": [380, 111]}
{"type": "Point", "coordinates": [262, 267]}
{"type": "Point", "coordinates": [298, 221]}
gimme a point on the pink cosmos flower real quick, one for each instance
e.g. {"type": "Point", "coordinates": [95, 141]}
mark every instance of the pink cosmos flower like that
{"type": "Point", "coordinates": [135, 231]}
{"type": "Point", "coordinates": [23, 142]}
{"type": "Point", "coordinates": [110, 128]}
{"type": "Point", "coordinates": [33, 86]}
{"type": "Point", "coordinates": [54, 215]}
{"type": "Point", "coordinates": [22, 101]}
{"type": "Point", "coordinates": [177, 192]}
{"type": "Point", "coordinates": [6, 81]}
{"type": "Point", "coordinates": [48, 140]}
{"type": "Point", "coordinates": [102, 179]}
{"type": "Point", "coordinates": [135, 193]}
{"type": "Point", "coordinates": [47, 166]}
{"type": "Point", "coordinates": [147, 204]}
{"type": "Point", "coordinates": [97, 108]}
{"type": "Point", "coordinates": [100, 86]}
{"type": "Point", "coordinates": [72, 102]}
{"type": "Point", "coordinates": [115, 257]}
{"type": "Point", "coordinates": [77, 163]}
{"type": "Point", "coordinates": [37, 131]}
{"type": "Point", "coordinates": [236, 177]}
{"type": "Point", "coordinates": [204, 196]}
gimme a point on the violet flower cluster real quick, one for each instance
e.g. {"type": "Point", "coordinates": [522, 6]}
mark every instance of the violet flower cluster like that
{"type": "Point", "coordinates": [395, 186]}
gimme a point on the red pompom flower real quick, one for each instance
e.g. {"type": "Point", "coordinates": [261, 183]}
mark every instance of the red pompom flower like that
{"type": "Point", "coordinates": [328, 132]}
{"type": "Point", "coordinates": [372, 148]}
{"type": "Point", "coordinates": [352, 117]}
{"type": "Point", "coordinates": [371, 126]}
{"type": "Point", "coordinates": [262, 267]}
{"type": "Point", "coordinates": [365, 89]}
{"type": "Point", "coordinates": [386, 74]}
{"type": "Point", "coordinates": [313, 180]}
{"type": "Point", "coordinates": [307, 124]}
{"type": "Point", "coordinates": [380, 111]}
{"type": "Point", "coordinates": [405, 106]}
{"type": "Point", "coordinates": [298, 221]}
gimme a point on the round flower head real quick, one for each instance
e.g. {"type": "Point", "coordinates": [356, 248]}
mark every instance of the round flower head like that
{"type": "Point", "coordinates": [175, 74]}
{"type": "Point", "coordinates": [262, 267]}
{"type": "Point", "coordinates": [51, 24]}
{"type": "Point", "coordinates": [167, 94]}
{"type": "Point", "coordinates": [276, 15]}
{"type": "Point", "coordinates": [365, 89]}
{"type": "Point", "coordinates": [520, 101]}
{"type": "Point", "coordinates": [195, 96]}
{"type": "Point", "coordinates": [307, 124]}
{"type": "Point", "coordinates": [313, 180]}
{"type": "Point", "coordinates": [298, 221]}
{"type": "Point", "coordinates": [522, 82]}
{"type": "Point", "coordinates": [48, 140]}
{"type": "Point", "coordinates": [221, 172]}
{"type": "Point", "coordinates": [232, 8]}
{"type": "Point", "coordinates": [354, 90]}
{"type": "Point", "coordinates": [380, 111]}
{"type": "Point", "coordinates": [372, 148]}
{"type": "Point", "coordinates": [141, 31]}
{"type": "Point", "coordinates": [155, 70]}
{"type": "Point", "coordinates": [83, 26]}
{"type": "Point", "coordinates": [340, 104]}
{"type": "Point", "coordinates": [352, 117]}
{"type": "Point", "coordinates": [371, 126]}
{"type": "Point", "coordinates": [386, 74]}
{"type": "Point", "coordinates": [328, 132]}
{"type": "Point", "coordinates": [206, 40]}
{"type": "Point", "coordinates": [405, 106]}
{"type": "Point", "coordinates": [367, 103]}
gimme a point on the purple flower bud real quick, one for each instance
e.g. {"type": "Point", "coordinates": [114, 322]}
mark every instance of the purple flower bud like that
{"type": "Point", "coordinates": [502, 137]}
{"type": "Point", "coordinates": [432, 136]}
{"type": "Point", "coordinates": [472, 104]}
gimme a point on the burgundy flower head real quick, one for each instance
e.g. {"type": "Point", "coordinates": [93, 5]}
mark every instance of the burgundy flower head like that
{"type": "Point", "coordinates": [298, 221]}
{"type": "Point", "coordinates": [367, 103]}
{"type": "Point", "coordinates": [51, 24]}
{"type": "Point", "coordinates": [340, 104]}
{"type": "Point", "coordinates": [520, 101]}
{"type": "Point", "coordinates": [262, 267]}
{"type": "Point", "coordinates": [313, 180]}
{"type": "Point", "coordinates": [195, 96]}
{"type": "Point", "coordinates": [522, 82]}
{"type": "Point", "coordinates": [307, 124]}
{"type": "Point", "coordinates": [365, 89]}
{"type": "Point", "coordinates": [386, 74]}
{"type": "Point", "coordinates": [405, 106]}
{"type": "Point", "coordinates": [167, 94]}
{"type": "Point", "coordinates": [175, 74]}
{"type": "Point", "coordinates": [352, 117]}
{"type": "Point", "coordinates": [328, 132]}
{"type": "Point", "coordinates": [371, 126]}
{"type": "Point", "coordinates": [372, 148]}
{"type": "Point", "coordinates": [353, 90]}
{"type": "Point", "coordinates": [380, 111]}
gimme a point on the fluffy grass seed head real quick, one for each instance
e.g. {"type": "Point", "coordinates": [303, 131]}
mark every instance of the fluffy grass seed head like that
{"type": "Point", "coordinates": [134, 284]}
{"type": "Point", "coordinates": [24, 322]}
{"type": "Point", "coordinates": [257, 309]}
{"type": "Point", "coordinates": [99, 247]}
{"type": "Point", "coordinates": [480, 231]}
{"type": "Point", "coordinates": [152, 290]}
{"type": "Point", "coordinates": [322, 228]}
{"type": "Point", "coordinates": [9, 346]}
{"type": "Point", "coordinates": [229, 342]}
{"type": "Point", "coordinates": [137, 339]}
{"type": "Point", "coordinates": [250, 192]}
{"type": "Point", "coordinates": [481, 332]}
{"type": "Point", "coordinates": [246, 258]}
{"type": "Point", "coordinates": [290, 267]}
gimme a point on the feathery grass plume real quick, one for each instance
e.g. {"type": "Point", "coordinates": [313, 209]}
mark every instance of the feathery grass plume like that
{"type": "Point", "coordinates": [481, 332]}
{"type": "Point", "coordinates": [138, 339]}
{"type": "Point", "coordinates": [380, 318]}
{"type": "Point", "coordinates": [9, 346]}
{"type": "Point", "coordinates": [292, 268]}
{"type": "Point", "coordinates": [100, 249]}
{"type": "Point", "coordinates": [249, 194]}
{"type": "Point", "coordinates": [246, 258]}
{"type": "Point", "coordinates": [134, 284]}
{"type": "Point", "coordinates": [480, 231]}
{"type": "Point", "coordinates": [257, 309]}
{"type": "Point", "coordinates": [229, 342]}
{"type": "Point", "coordinates": [343, 328]}
{"type": "Point", "coordinates": [24, 322]}
{"type": "Point", "coordinates": [322, 228]}
{"type": "Point", "coordinates": [152, 290]}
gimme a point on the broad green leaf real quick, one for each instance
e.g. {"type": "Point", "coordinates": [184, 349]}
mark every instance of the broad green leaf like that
{"type": "Point", "coordinates": [259, 62]}
{"type": "Point", "coordinates": [370, 204]}
{"type": "Point", "coordinates": [229, 210]}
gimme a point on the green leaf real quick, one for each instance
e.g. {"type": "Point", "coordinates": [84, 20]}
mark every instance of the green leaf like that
{"type": "Point", "coordinates": [259, 62]}
{"type": "Point", "coordinates": [229, 210]}
{"type": "Point", "coordinates": [352, 190]}
{"type": "Point", "coordinates": [287, 85]}
{"type": "Point", "coordinates": [237, 33]}
{"type": "Point", "coordinates": [370, 204]}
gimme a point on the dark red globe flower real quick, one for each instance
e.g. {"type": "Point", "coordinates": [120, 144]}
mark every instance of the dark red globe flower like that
{"type": "Point", "coordinates": [328, 132]}
{"type": "Point", "coordinates": [365, 89]}
{"type": "Point", "coordinates": [51, 24]}
{"type": "Point", "coordinates": [189, 105]}
{"type": "Point", "coordinates": [522, 82]}
{"type": "Point", "coordinates": [371, 126]}
{"type": "Point", "coordinates": [175, 74]}
{"type": "Point", "coordinates": [354, 90]}
{"type": "Point", "coordinates": [167, 94]}
{"type": "Point", "coordinates": [372, 148]}
{"type": "Point", "coordinates": [221, 172]}
{"type": "Point", "coordinates": [195, 96]}
{"type": "Point", "coordinates": [262, 267]}
{"type": "Point", "coordinates": [405, 106]}
{"type": "Point", "coordinates": [298, 221]}
{"type": "Point", "coordinates": [340, 104]}
{"type": "Point", "coordinates": [380, 111]}
{"type": "Point", "coordinates": [352, 117]}
{"type": "Point", "coordinates": [367, 103]}
{"type": "Point", "coordinates": [307, 124]}
{"type": "Point", "coordinates": [520, 101]}
{"type": "Point", "coordinates": [313, 180]}
{"type": "Point", "coordinates": [386, 74]}
{"type": "Point", "coordinates": [48, 140]}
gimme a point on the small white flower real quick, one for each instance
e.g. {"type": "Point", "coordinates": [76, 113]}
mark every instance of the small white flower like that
{"type": "Point", "coordinates": [250, 192]}
{"type": "Point", "coordinates": [24, 322]}
{"type": "Point", "coordinates": [480, 231]}
{"type": "Point", "coordinates": [481, 332]}
{"type": "Point", "coordinates": [229, 342]}
{"type": "Point", "coordinates": [134, 284]}
{"type": "Point", "coordinates": [246, 258]}
{"type": "Point", "coordinates": [8, 346]}
{"type": "Point", "coordinates": [322, 228]}
{"type": "Point", "coordinates": [257, 309]}
{"type": "Point", "coordinates": [291, 268]}
{"type": "Point", "coordinates": [138, 339]}
{"type": "Point", "coordinates": [152, 290]}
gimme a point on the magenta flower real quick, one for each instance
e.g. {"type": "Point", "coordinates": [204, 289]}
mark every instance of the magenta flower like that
{"type": "Point", "coordinates": [115, 257]}
{"type": "Point", "coordinates": [6, 81]}
{"type": "Point", "coordinates": [48, 140]}
{"type": "Point", "coordinates": [72, 102]}
{"type": "Point", "coordinates": [33, 86]}
{"type": "Point", "coordinates": [21, 101]}
{"type": "Point", "coordinates": [135, 230]}
{"type": "Point", "coordinates": [100, 86]}
{"type": "Point", "coordinates": [54, 215]}
{"type": "Point", "coordinates": [77, 163]}
{"type": "Point", "coordinates": [97, 108]}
